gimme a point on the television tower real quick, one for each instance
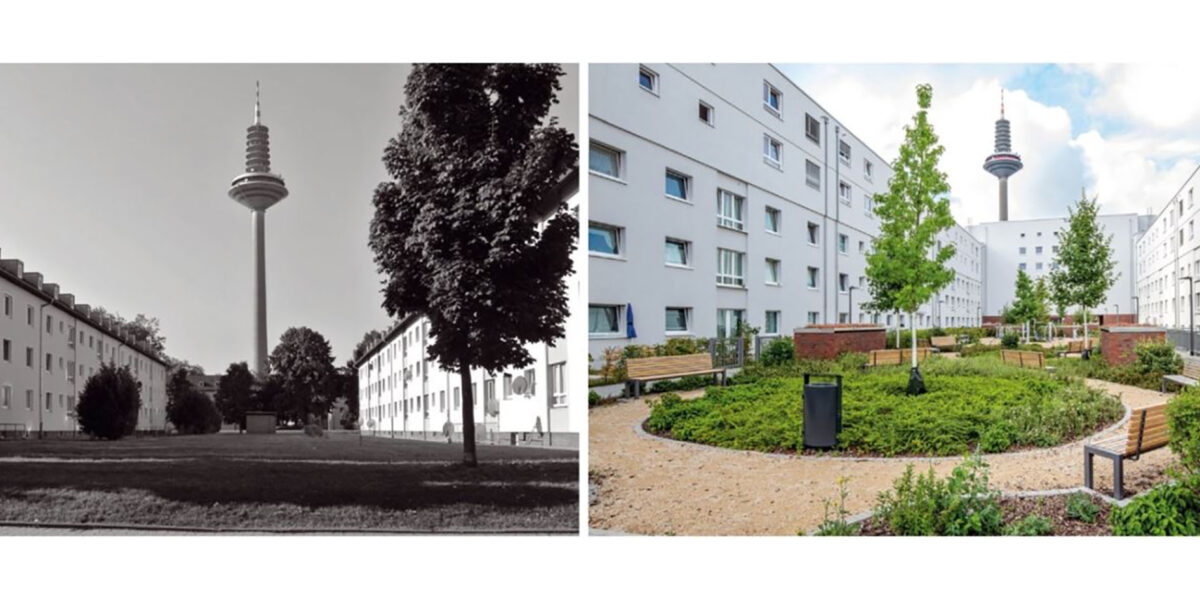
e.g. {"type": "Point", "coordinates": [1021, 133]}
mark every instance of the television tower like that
{"type": "Point", "coordinates": [1003, 162]}
{"type": "Point", "coordinates": [258, 189]}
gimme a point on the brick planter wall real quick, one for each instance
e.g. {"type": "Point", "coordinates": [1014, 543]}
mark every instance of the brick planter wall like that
{"type": "Point", "coordinates": [828, 341]}
{"type": "Point", "coordinates": [1118, 344]}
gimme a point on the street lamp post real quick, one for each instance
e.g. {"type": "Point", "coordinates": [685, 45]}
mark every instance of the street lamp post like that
{"type": "Point", "coordinates": [1191, 317]}
{"type": "Point", "coordinates": [1137, 310]}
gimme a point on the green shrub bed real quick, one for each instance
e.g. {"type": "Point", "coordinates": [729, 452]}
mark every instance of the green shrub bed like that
{"type": "Point", "coordinates": [1153, 361]}
{"type": "Point", "coordinates": [978, 404]}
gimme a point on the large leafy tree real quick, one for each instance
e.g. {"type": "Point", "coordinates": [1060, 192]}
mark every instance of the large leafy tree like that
{"type": "Point", "coordinates": [142, 327]}
{"type": "Point", "coordinates": [193, 413]}
{"type": "Point", "coordinates": [468, 231]}
{"type": "Point", "coordinates": [346, 386]}
{"type": "Point", "coordinates": [235, 394]}
{"type": "Point", "coordinates": [904, 264]}
{"type": "Point", "coordinates": [1085, 268]}
{"type": "Point", "coordinates": [367, 342]}
{"type": "Point", "coordinates": [303, 361]}
{"type": "Point", "coordinates": [109, 404]}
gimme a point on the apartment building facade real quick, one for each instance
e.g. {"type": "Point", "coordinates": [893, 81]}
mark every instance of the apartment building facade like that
{"type": "Point", "coordinates": [50, 345]}
{"type": "Point", "coordinates": [723, 194]}
{"type": "Point", "coordinates": [403, 393]}
{"type": "Point", "coordinates": [1167, 254]}
{"type": "Point", "coordinates": [1032, 246]}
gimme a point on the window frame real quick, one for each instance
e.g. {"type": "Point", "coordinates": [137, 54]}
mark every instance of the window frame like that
{"type": "Point", "coordinates": [773, 267]}
{"type": "Point", "coordinates": [777, 221]}
{"type": "Point", "coordinates": [686, 311]}
{"type": "Point", "coordinates": [619, 161]}
{"type": "Point", "coordinates": [686, 182]}
{"type": "Point", "coordinates": [687, 253]}
{"type": "Point", "coordinates": [711, 121]}
{"type": "Point", "coordinates": [739, 208]}
{"type": "Point", "coordinates": [735, 279]}
{"type": "Point", "coordinates": [768, 88]}
{"type": "Point", "coordinates": [618, 238]}
{"type": "Point", "coordinates": [652, 75]}
{"type": "Point", "coordinates": [812, 124]}
{"type": "Point", "coordinates": [808, 178]}
{"type": "Point", "coordinates": [770, 143]}
{"type": "Point", "coordinates": [616, 332]}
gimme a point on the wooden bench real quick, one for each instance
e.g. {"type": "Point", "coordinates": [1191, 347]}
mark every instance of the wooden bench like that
{"type": "Point", "coordinates": [1147, 431]}
{"type": "Point", "coordinates": [944, 342]}
{"type": "Point", "coordinates": [1023, 358]}
{"type": "Point", "coordinates": [1189, 377]}
{"type": "Point", "coordinates": [880, 358]}
{"type": "Point", "coordinates": [669, 367]}
{"type": "Point", "coordinates": [1073, 347]}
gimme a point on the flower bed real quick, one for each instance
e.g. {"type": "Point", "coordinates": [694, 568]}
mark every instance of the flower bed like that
{"type": "Point", "coordinates": [977, 404]}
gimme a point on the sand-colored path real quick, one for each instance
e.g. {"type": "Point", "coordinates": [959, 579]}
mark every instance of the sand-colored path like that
{"type": "Point", "coordinates": [650, 485]}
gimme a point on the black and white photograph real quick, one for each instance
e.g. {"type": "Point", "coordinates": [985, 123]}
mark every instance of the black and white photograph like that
{"type": "Point", "coordinates": [288, 298]}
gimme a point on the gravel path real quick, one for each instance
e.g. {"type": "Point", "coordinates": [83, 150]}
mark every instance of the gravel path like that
{"type": "Point", "coordinates": [655, 486]}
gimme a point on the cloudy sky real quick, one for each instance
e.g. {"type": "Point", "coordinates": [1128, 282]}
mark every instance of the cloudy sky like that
{"type": "Point", "coordinates": [1130, 133]}
{"type": "Point", "coordinates": [113, 184]}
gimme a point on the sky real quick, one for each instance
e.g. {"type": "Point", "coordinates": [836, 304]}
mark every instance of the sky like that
{"type": "Point", "coordinates": [1127, 133]}
{"type": "Point", "coordinates": [114, 180]}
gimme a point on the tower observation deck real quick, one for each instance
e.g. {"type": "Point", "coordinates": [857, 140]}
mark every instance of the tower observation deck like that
{"type": "Point", "coordinates": [1003, 162]}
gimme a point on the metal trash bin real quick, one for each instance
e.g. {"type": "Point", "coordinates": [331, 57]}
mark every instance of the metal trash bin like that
{"type": "Point", "coordinates": [822, 411]}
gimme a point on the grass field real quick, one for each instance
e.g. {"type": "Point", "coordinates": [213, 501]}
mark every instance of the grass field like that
{"type": "Point", "coordinates": [288, 481]}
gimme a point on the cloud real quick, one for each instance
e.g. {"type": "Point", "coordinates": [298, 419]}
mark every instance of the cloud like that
{"type": "Point", "coordinates": [1156, 96]}
{"type": "Point", "coordinates": [1128, 172]}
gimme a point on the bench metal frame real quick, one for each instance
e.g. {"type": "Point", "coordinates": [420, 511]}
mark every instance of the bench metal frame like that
{"type": "Point", "coordinates": [636, 384]}
{"type": "Point", "coordinates": [1118, 460]}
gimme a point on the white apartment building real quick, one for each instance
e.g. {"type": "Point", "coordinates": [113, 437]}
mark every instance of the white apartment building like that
{"type": "Point", "coordinates": [1032, 246]}
{"type": "Point", "coordinates": [722, 194]}
{"type": "Point", "coordinates": [404, 394]}
{"type": "Point", "coordinates": [1167, 254]}
{"type": "Point", "coordinates": [50, 345]}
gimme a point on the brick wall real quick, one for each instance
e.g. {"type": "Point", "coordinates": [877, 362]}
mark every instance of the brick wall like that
{"type": "Point", "coordinates": [1118, 343]}
{"type": "Point", "coordinates": [828, 341]}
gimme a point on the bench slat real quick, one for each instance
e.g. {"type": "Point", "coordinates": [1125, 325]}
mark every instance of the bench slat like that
{"type": "Point", "coordinates": [660, 366]}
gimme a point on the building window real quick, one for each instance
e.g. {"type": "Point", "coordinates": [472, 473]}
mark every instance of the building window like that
{"type": "Point", "coordinates": [729, 321]}
{"type": "Point", "coordinates": [7, 350]}
{"type": "Point", "coordinates": [773, 150]}
{"type": "Point", "coordinates": [677, 319]}
{"type": "Point", "coordinates": [49, 324]}
{"type": "Point", "coordinates": [812, 174]}
{"type": "Point", "coordinates": [861, 247]}
{"type": "Point", "coordinates": [812, 128]}
{"type": "Point", "coordinates": [814, 277]}
{"type": "Point", "coordinates": [8, 306]}
{"type": "Point", "coordinates": [730, 267]}
{"type": "Point", "coordinates": [603, 319]}
{"type": "Point", "coordinates": [729, 210]}
{"type": "Point", "coordinates": [813, 317]}
{"type": "Point", "coordinates": [677, 252]}
{"type": "Point", "coordinates": [772, 99]}
{"type": "Point", "coordinates": [29, 314]}
{"type": "Point", "coordinates": [49, 363]}
{"type": "Point", "coordinates": [772, 219]}
{"type": "Point", "coordinates": [843, 241]}
{"type": "Point", "coordinates": [648, 79]}
{"type": "Point", "coordinates": [558, 384]}
{"type": "Point", "coordinates": [1021, 266]}
{"type": "Point", "coordinates": [706, 114]}
{"type": "Point", "coordinates": [771, 323]}
{"type": "Point", "coordinates": [844, 152]}
{"type": "Point", "coordinates": [604, 160]}
{"type": "Point", "coordinates": [677, 185]}
{"type": "Point", "coordinates": [1037, 249]}
{"type": "Point", "coordinates": [869, 205]}
{"type": "Point", "coordinates": [604, 239]}
{"type": "Point", "coordinates": [6, 397]}
{"type": "Point", "coordinates": [29, 357]}
{"type": "Point", "coordinates": [868, 169]}
{"type": "Point", "coordinates": [1021, 251]}
{"type": "Point", "coordinates": [843, 318]}
{"type": "Point", "coordinates": [844, 192]}
{"type": "Point", "coordinates": [772, 275]}
{"type": "Point", "coordinates": [814, 234]}
{"type": "Point", "coordinates": [843, 282]}
{"type": "Point", "coordinates": [1038, 266]}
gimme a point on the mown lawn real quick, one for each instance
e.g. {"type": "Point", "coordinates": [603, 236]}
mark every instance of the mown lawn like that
{"type": "Point", "coordinates": [288, 481]}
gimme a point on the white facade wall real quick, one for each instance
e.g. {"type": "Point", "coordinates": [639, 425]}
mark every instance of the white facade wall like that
{"type": "Point", "coordinates": [51, 351]}
{"type": "Point", "coordinates": [661, 130]}
{"type": "Point", "coordinates": [1167, 252]}
{"type": "Point", "coordinates": [1010, 244]}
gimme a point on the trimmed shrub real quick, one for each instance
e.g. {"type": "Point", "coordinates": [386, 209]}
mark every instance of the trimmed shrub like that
{"type": "Point", "coordinates": [1167, 509]}
{"type": "Point", "coordinates": [193, 413]}
{"type": "Point", "coordinates": [1183, 421]}
{"type": "Point", "coordinates": [961, 504]}
{"type": "Point", "coordinates": [781, 351]}
{"type": "Point", "coordinates": [1158, 359]}
{"type": "Point", "coordinates": [691, 382]}
{"type": "Point", "coordinates": [1010, 340]}
{"type": "Point", "coordinates": [314, 430]}
{"type": "Point", "coordinates": [1031, 525]}
{"type": "Point", "coordinates": [109, 405]}
{"type": "Point", "coordinates": [593, 398]}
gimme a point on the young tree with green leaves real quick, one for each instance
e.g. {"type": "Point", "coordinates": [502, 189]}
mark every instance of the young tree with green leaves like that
{"type": "Point", "coordinates": [1085, 266]}
{"type": "Point", "coordinates": [1029, 305]}
{"type": "Point", "coordinates": [235, 394]}
{"type": "Point", "coordinates": [904, 264]}
{"type": "Point", "coordinates": [303, 361]}
{"type": "Point", "coordinates": [469, 231]}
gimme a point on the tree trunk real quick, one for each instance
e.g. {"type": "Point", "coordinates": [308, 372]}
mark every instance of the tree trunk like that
{"type": "Point", "coordinates": [916, 383]}
{"type": "Point", "coordinates": [1087, 347]}
{"type": "Point", "coordinates": [468, 414]}
{"type": "Point", "coordinates": [912, 326]}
